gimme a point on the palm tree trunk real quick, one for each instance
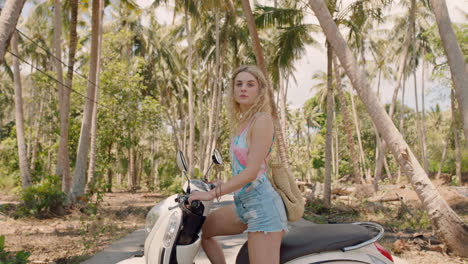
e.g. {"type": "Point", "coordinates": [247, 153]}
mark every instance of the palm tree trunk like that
{"type": "Point", "coordinates": [358, 133]}
{"type": "Point", "coordinates": [63, 160]}
{"type": "Point", "coordinates": [448, 225]}
{"type": "Point", "coordinates": [93, 146]}
{"type": "Point", "coordinates": [63, 163]}
{"type": "Point", "coordinates": [210, 128]}
{"type": "Point", "coordinates": [329, 135]}
{"type": "Point", "coordinates": [444, 154]}
{"type": "Point", "coordinates": [455, 59]}
{"type": "Point", "coordinates": [402, 120]}
{"type": "Point", "coordinates": [281, 143]}
{"type": "Point", "coordinates": [400, 75]}
{"type": "Point", "coordinates": [79, 180]}
{"type": "Point", "coordinates": [131, 169]}
{"type": "Point", "coordinates": [191, 118]}
{"type": "Point", "coordinates": [8, 19]}
{"type": "Point", "coordinates": [120, 167]}
{"type": "Point", "coordinates": [37, 129]}
{"type": "Point", "coordinates": [347, 123]}
{"type": "Point", "coordinates": [140, 161]}
{"type": "Point", "coordinates": [456, 138]}
{"type": "Point", "coordinates": [418, 118]}
{"type": "Point", "coordinates": [423, 119]}
{"type": "Point", "coordinates": [336, 140]}
{"type": "Point", "coordinates": [402, 66]}
{"type": "Point", "coordinates": [23, 159]}
{"type": "Point", "coordinates": [109, 169]}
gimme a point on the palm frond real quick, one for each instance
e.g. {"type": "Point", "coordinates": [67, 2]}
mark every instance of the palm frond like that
{"type": "Point", "coordinates": [267, 16]}
{"type": "Point", "coordinates": [291, 44]}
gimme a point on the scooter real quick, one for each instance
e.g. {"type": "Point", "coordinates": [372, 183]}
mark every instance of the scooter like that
{"type": "Point", "coordinates": [173, 229]}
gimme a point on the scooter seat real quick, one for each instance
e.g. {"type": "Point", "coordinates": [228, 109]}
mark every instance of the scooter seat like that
{"type": "Point", "coordinates": [314, 239]}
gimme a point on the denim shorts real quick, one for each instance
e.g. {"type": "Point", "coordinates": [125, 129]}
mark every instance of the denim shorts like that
{"type": "Point", "coordinates": [261, 208]}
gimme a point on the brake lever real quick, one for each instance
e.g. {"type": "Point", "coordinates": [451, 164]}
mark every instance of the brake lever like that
{"type": "Point", "coordinates": [181, 199]}
{"type": "Point", "coordinates": [173, 207]}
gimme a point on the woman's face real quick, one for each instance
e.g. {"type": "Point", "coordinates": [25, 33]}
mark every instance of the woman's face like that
{"type": "Point", "coordinates": [246, 89]}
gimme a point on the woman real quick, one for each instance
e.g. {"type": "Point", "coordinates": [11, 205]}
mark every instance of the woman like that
{"type": "Point", "coordinates": [257, 209]}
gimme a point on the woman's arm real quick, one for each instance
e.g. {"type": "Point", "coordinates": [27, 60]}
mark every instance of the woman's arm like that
{"type": "Point", "coordinates": [260, 143]}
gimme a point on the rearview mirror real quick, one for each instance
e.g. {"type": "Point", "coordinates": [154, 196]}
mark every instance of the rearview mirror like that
{"type": "Point", "coordinates": [216, 157]}
{"type": "Point", "coordinates": [181, 161]}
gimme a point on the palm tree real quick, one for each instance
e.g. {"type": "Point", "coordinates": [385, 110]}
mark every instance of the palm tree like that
{"type": "Point", "coordinates": [190, 149]}
{"type": "Point", "coordinates": [8, 18]}
{"type": "Point", "coordinates": [329, 135]}
{"type": "Point", "coordinates": [93, 147]}
{"type": "Point", "coordinates": [78, 184]}
{"type": "Point", "coordinates": [282, 150]}
{"type": "Point", "coordinates": [455, 59]}
{"type": "Point", "coordinates": [63, 160]}
{"type": "Point", "coordinates": [451, 229]}
{"type": "Point", "coordinates": [400, 75]}
{"type": "Point", "coordinates": [456, 137]}
{"type": "Point", "coordinates": [289, 44]}
{"type": "Point", "coordinates": [347, 123]}
{"type": "Point", "coordinates": [23, 159]}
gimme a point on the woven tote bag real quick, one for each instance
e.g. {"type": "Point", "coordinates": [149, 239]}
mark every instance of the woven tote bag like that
{"type": "Point", "coordinates": [285, 185]}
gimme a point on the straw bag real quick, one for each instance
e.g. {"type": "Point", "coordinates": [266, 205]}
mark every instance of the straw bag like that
{"type": "Point", "coordinates": [283, 181]}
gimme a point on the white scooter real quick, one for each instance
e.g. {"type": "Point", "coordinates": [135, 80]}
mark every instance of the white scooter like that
{"type": "Point", "coordinates": [174, 234]}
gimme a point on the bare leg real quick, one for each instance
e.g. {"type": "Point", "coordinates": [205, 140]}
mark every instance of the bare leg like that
{"type": "Point", "coordinates": [264, 248]}
{"type": "Point", "coordinates": [221, 222]}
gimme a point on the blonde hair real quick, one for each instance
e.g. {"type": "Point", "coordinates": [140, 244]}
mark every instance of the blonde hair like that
{"type": "Point", "coordinates": [261, 103]}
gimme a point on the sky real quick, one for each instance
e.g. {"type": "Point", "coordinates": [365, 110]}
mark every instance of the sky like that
{"type": "Point", "coordinates": [314, 60]}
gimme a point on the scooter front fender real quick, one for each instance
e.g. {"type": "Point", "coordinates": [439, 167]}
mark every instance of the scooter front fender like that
{"type": "Point", "coordinates": [155, 251]}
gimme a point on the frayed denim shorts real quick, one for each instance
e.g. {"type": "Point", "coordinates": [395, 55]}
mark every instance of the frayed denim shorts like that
{"type": "Point", "coordinates": [261, 208]}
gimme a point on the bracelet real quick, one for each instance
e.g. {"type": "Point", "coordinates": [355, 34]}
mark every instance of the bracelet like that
{"type": "Point", "coordinates": [218, 196]}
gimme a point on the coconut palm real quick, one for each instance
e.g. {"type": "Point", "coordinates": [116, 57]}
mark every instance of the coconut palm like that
{"type": "Point", "coordinates": [449, 226]}
{"type": "Point", "coordinates": [8, 19]}
{"type": "Point", "coordinates": [346, 119]}
{"type": "Point", "coordinates": [78, 183]}
{"type": "Point", "coordinates": [23, 159]}
{"type": "Point", "coordinates": [63, 162]}
{"type": "Point", "coordinates": [293, 34]}
{"type": "Point", "coordinates": [281, 143]}
{"type": "Point", "coordinates": [455, 59]}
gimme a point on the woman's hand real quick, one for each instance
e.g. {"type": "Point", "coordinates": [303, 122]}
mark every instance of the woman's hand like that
{"type": "Point", "coordinates": [202, 196]}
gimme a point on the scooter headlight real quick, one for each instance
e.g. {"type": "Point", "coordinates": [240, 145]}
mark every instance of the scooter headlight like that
{"type": "Point", "coordinates": [171, 229]}
{"type": "Point", "coordinates": [152, 217]}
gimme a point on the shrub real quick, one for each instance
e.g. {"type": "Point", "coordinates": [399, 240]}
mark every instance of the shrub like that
{"type": "Point", "coordinates": [6, 257]}
{"type": "Point", "coordinates": [44, 199]}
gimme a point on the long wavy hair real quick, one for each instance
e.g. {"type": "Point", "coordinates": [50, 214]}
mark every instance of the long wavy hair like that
{"type": "Point", "coordinates": [261, 103]}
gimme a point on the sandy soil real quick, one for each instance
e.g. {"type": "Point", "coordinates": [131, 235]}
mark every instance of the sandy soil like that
{"type": "Point", "coordinates": [76, 236]}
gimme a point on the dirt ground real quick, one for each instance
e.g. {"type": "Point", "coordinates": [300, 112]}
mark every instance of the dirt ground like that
{"type": "Point", "coordinates": [76, 236]}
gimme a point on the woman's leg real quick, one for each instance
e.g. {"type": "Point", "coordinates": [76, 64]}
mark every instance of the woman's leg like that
{"type": "Point", "coordinates": [264, 248]}
{"type": "Point", "coordinates": [221, 222]}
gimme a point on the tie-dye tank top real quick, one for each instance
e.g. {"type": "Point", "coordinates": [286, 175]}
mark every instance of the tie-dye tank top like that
{"type": "Point", "coordinates": [239, 152]}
